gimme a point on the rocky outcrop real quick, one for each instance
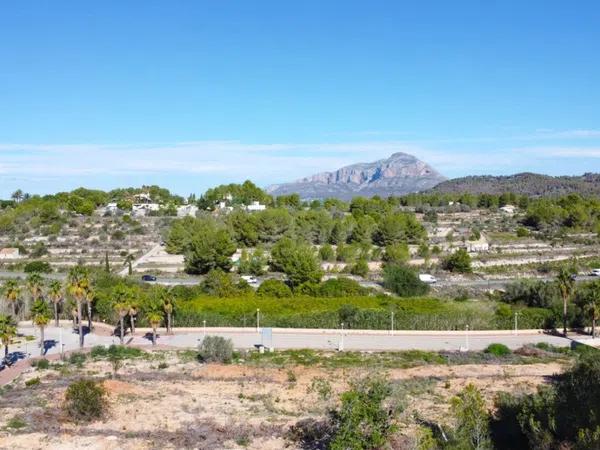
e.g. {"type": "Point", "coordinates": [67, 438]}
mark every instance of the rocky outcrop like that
{"type": "Point", "coordinates": [397, 175]}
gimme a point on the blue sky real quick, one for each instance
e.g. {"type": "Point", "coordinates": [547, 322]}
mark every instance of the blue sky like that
{"type": "Point", "coordinates": [189, 94]}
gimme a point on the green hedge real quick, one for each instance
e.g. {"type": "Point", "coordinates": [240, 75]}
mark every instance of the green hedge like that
{"type": "Point", "coordinates": [355, 312]}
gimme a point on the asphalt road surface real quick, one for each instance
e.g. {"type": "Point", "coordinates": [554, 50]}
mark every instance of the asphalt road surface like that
{"type": "Point", "coordinates": [332, 340]}
{"type": "Point", "coordinates": [192, 281]}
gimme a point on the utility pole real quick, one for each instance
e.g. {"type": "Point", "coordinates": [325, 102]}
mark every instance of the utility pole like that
{"type": "Point", "coordinates": [257, 320]}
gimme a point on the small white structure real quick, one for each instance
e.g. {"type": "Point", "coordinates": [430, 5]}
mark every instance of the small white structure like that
{"type": "Point", "coordinates": [9, 253]}
{"type": "Point", "coordinates": [110, 208]}
{"type": "Point", "coordinates": [142, 209]}
{"type": "Point", "coordinates": [508, 209]}
{"type": "Point", "coordinates": [477, 246]}
{"type": "Point", "coordinates": [143, 198]}
{"type": "Point", "coordinates": [255, 206]}
{"type": "Point", "coordinates": [481, 245]}
{"type": "Point", "coordinates": [187, 210]}
{"type": "Point", "coordinates": [222, 207]}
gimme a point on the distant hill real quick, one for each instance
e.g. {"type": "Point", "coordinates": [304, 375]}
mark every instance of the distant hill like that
{"type": "Point", "coordinates": [531, 184]}
{"type": "Point", "coordinates": [397, 175]}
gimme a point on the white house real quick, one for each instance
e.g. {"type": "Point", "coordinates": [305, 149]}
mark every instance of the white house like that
{"type": "Point", "coordinates": [187, 210]}
{"type": "Point", "coordinates": [222, 207]}
{"type": "Point", "coordinates": [255, 206]}
{"type": "Point", "coordinates": [9, 253]}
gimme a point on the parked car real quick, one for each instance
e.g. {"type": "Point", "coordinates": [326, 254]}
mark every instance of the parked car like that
{"type": "Point", "coordinates": [249, 279]}
{"type": "Point", "coordinates": [148, 278]}
{"type": "Point", "coordinates": [427, 278]}
{"type": "Point", "coordinates": [595, 272]}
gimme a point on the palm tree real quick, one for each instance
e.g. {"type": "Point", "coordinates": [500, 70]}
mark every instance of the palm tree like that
{"type": "Point", "coordinates": [168, 307]}
{"type": "Point", "coordinates": [41, 316]}
{"type": "Point", "coordinates": [35, 284]}
{"type": "Point", "coordinates": [17, 196]}
{"type": "Point", "coordinates": [154, 318]}
{"type": "Point", "coordinates": [129, 260]}
{"type": "Point", "coordinates": [167, 302]}
{"type": "Point", "coordinates": [592, 304]}
{"type": "Point", "coordinates": [79, 284]}
{"type": "Point", "coordinates": [566, 285]}
{"type": "Point", "coordinates": [89, 299]}
{"type": "Point", "coordinates": [7, 332]}
{"type": "Point", "coordinates": [133, 310]}
{"type": "Point", "coordinates": [56, 296]}
{"type": "Point", "coordinates": [122, 309]}
{"type": "Point", "coordinates": [12, 291]}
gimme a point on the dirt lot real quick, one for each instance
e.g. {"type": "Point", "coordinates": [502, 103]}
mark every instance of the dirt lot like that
{"type": "Point", "coordinates": [189, 405]}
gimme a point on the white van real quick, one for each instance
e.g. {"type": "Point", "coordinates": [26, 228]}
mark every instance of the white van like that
{"type": "Point", "coordinates": [595, 272]}
{"type": "Point", "coordinates": [426, 278]}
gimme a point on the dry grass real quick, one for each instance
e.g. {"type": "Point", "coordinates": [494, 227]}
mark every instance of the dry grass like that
{"type": "Point", "coordinates": [188, 405]}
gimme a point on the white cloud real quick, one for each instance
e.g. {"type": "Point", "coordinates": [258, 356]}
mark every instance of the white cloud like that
{"type": "Point", "coordinates": [568, 152]}
{"type": "Point", "coordinates": [566, 134]}
{"type": "Point", "coordinates": [226, 157]}
{"type": "Point", "coordinates": [202, 162]}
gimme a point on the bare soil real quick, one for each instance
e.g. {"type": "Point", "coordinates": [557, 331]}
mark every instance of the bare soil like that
{"type": "Point", "coordinates": [189, 405]}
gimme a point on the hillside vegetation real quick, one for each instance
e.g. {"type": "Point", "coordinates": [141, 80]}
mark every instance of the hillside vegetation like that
{"type": "Point", "coordinates": [530, 184]}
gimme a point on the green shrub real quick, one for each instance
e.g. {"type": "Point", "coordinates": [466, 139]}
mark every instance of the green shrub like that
{"type": "Point", "coordinates": [397, 253]}
{"type": "Point", "coordinates": [77, 359]}
{"type": "Point", "coordinates": [118, 351]}
{"type": "Point", "coordinates": [33, 382]}
{"type": "Point", "coordinates": [472, 428]}
{"type": "Point", "coordinates": [403, 281]}
{"type": "Point", "coordinates": [459, 261]}
{"type": "Point", "coordinates": [309, 288]}
{"type": "Point", "coordinates": [220, 284]}
{"type": "Point", "coordinates": [362, 422]}
{"type": "Point", "coordinates": [37, 266]}
{"type": "Point", "coordinates": [163, 365]}
{"type": "Point", "coordinates": [85, 400]}
{"type": "Point", "coordinates": [321, 387]}
{"type": "Point", "coordinates": [98, 351]}
{"type": "Point", "coordinates": [274, 288]}
{"type": "Point", "coordinates": [340, 287]}
{"type": "Point", "coordinates": [360, 268]}
{"type": "Point", "coordinates": [326, 253]}
{"type": "Point", "coordinates": [40, 364]}
{"type": "Point", "coordinates": [16, 423]}
{"type": "Point", "coordinates": [497, 349]}
{"type": "Point", "coordinates": [216, 349]}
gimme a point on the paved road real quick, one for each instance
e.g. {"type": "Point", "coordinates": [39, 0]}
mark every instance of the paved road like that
{"type": "Point", "coordinates": [249, 338]}
{"type": "Point", "coordinates": [500, 283]}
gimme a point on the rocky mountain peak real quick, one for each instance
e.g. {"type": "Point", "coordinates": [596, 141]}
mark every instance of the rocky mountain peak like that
{"type": "Point", "coordinates": [399, 174]}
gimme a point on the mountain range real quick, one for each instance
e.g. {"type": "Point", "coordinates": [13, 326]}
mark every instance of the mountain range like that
{"type": "Point", "coordinates": [399, 174]}
{"type": "Point", "coordinates": [402, 174]}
